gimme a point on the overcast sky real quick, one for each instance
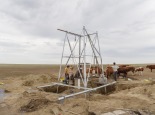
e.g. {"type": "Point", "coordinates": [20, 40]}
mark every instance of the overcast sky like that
{"type": "Point", "coordinates": [28, 29]}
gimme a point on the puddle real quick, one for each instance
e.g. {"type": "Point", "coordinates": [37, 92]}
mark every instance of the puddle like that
{"type": "Point", "coordinates": [2, 94]}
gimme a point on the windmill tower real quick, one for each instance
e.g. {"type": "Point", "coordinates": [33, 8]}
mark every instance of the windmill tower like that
{"type": "Point", "coordinates": [83, 50]}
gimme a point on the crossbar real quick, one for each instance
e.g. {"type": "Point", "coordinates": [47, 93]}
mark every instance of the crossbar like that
{"type": "Point", "coordinates": [70, 32]}
{"type": "Point", "coordinates": [75, 33]}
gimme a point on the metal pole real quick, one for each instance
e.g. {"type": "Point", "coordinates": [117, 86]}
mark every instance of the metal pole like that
{"type": "Point", "coordinates": [99, 51]}
{"type": "Point", "coordinates": [71, 52]}
{"type": "Point", "coordinates": [92, 45]}
{"type": "Point", "coordinates": [70, 49]}
{"type": "Point", "coordinates": [85, 79]}
{"type": "Point", "coordinates": [74, 56]}
{"type": "Point", "coordinates": [62, 58]}
{"type": "Point", "coordinates": [79, 51]}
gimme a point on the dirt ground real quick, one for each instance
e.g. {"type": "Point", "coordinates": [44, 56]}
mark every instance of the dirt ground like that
{"type": "Point", "coordinates": [19, 94]}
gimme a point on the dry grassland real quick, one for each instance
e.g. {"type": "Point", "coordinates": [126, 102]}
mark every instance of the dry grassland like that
{"type": "Point", "coordinates": [21, 97]}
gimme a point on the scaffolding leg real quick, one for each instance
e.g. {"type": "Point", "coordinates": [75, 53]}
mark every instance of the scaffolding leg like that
{"type": "Point", "coordinates": [57, 88]}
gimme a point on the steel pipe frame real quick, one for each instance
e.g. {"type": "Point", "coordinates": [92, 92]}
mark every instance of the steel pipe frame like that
{"type": "Point", "coordinates": [94, 49]}
{"type": "Point", "coordinates": [71, 95]}
{"type": "Point", "coordinates": [89, 90]}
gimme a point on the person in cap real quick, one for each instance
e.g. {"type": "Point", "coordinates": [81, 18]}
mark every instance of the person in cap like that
{"type": "Point", "coordinates": [115, 67]}
{"type": "Point", "coordinates": [71, 74]}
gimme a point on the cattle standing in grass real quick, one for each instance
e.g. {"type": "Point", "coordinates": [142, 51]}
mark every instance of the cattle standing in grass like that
{"type": "Point", "coordinates": [94, 70]}
{"type": "Point", "coordinates": [109, 71]}
{"type": "Point", "coordinates": [139, 70]}
{"type": "Point", "coordinates": [150, 67]}
{"type": "Point", "coordinates": [125, 70]}
{"type": "Point", "coordinates": [123, 65]}
{"type": "Point", "coordinates": [131, 68]}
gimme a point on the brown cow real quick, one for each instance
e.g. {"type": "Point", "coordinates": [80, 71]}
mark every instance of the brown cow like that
{"type": "Point", "coordinates": [139, 70]}
{"type": "Point", "coordinates": [150, 67]}
{"type": "Point", "coordinates": [131, 68]}
{"type": "Point", "coordinates": [96, 69]}
{"type": "Point", "coordinates": [125, 70]}
{"type": "Point", "coordinates": [123, 65]}
{"type": "Point", "coordinates": [109, 71]}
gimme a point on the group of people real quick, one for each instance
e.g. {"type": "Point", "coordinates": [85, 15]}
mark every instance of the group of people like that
{"type": "Point", "coordinates": [69, 74]}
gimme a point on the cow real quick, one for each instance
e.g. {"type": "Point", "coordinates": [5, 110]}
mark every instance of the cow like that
{"type": "Point", "coordinates": [125, 70]}
{"type": "Point", "coordinates": [109, 71]}
{"type": "Point", "coordinates": [131, 68]}
{"type": "Point", "coordinates": [150, 67]}
{"type": "Point", "coordinates": [139, 70]}
{"type": "Point", "coordinates": [94, 70]}
{"type": "Point", "coordinates": [120, 70]}
{"type": "Point", "coordinates": [123, 65]}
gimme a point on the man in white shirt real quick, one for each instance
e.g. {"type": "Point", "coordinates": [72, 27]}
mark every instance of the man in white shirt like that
{"type": "Point", "coordinates": [115, 67]}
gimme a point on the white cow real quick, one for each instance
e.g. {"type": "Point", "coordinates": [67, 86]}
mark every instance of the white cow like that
{"type": "Point", "coordinates": [139, 70]}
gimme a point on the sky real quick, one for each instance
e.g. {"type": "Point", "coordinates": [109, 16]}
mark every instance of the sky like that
{"type": "Point", "coordinates": [29, 35]}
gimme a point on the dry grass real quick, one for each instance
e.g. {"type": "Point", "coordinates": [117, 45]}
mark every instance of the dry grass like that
{"type": "Point", "coordinates": [21, 80]}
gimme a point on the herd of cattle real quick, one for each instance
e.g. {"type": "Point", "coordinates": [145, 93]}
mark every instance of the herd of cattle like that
{"type": "Point", "coordinates": [124, 69]}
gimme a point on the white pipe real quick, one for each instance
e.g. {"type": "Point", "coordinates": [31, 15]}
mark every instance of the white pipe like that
{"type": "Point", "coordinates": [100, 52]}
{"type": "Point", "coordinates": [85, 79]}
{"type": "Point", "coordinates": [71, 95]}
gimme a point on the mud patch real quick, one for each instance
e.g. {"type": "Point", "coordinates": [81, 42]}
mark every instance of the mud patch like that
{"type": "Point", "coordinates": [123, 86]}
{"type": "Point", "coordinates": [55, 89]}
{"type": "Point", "coordinates": [28, 83]}
{"type": "Point", "coordinates": [107, 90]}
{"type": "Point", "coordinates": [129, 112]}
{"type": "Point", "coordinates": [34, 105]}
{"type": "Point", "coordinates": [91, 113]}
{"type": "Point", "coordinates": [7, 91]}
{"type": "Point", "coordinates": [132, 84]}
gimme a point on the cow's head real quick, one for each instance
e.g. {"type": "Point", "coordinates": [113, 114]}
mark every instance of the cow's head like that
{"type": "Point", "coordinates": [147, 66]}
{"type": "Point", "coordinates": [133, 69]}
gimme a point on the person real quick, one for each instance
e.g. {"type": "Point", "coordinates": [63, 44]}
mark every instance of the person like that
{"type": "Point", "coordinates": [67, 74]}
{"type": "Point", "coordinates": [79, 72]}
{"type": "Point", "coordinates": [71, 74]}
{"type": "Point", "coordinates": [115, 67]}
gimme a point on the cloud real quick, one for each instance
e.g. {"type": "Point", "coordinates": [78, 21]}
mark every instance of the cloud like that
{"type": "Point", "coordinates": [29, 32]}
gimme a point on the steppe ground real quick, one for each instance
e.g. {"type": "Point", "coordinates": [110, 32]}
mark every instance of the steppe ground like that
{"type": "Point", "coordinates": [21, 97]}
